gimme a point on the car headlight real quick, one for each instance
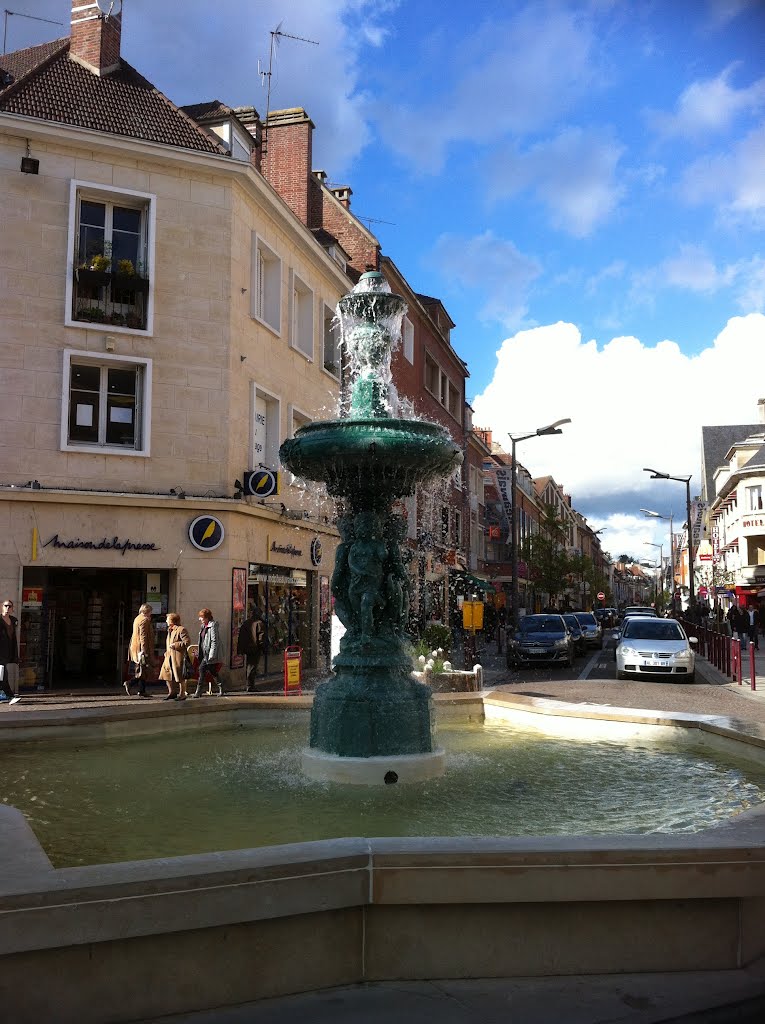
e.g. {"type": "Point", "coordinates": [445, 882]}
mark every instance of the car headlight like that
{"type": "Point", "coordinates": [628, 652]}
{"type": "Point", "coordinates": [563, 642]}
{"type": "Point", "coordinates": [682, 655]}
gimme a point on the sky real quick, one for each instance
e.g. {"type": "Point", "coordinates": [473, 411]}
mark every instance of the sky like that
{"type": "Point", "coordinates": [581, 183]}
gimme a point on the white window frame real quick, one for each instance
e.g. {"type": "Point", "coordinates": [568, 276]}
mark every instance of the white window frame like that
{"type": "Point", "coordinates": [407, 339]}
{"type": "Point", "coordinates": [266, 285]}
{"type": "Point", "coordinates": [330, 327]}
{"type": "Point", "coordinates": [143, 403]}
{"type": "Point", "coordinates": [301, 316]}
{"type": "Point", "coordinates": [98, 192]}
{"type": "Point", "coordinates": [269, 456]}
{"type": "Point", "coordinates": [754, 498]}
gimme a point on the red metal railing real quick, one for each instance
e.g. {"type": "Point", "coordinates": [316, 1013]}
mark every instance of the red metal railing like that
{"type": "Point", "coordinates": [722, 651]}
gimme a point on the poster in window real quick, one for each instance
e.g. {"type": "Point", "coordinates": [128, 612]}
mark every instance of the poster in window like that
{"type": "Point", "coordinates": [84, 415]}
{"type": "Point", "coordinates": [238, 612]}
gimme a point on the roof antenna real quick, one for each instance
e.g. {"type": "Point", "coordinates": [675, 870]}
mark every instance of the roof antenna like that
{"type": "Point", "coordinates": [32, 17]}
{"type": "Point", "coordinates": [276, 35]}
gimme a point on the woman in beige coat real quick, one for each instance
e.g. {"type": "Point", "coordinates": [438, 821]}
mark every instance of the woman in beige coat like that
{"type": "Point", "coordinates": [172, 667]}
{"type": "Point", "coordinates": [141, 650]}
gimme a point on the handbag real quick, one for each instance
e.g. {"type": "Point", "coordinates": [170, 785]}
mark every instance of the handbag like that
{"type": "Point", "coordinates": [187, 668]}
{"type": "Point", "coordinates": [140, 667]}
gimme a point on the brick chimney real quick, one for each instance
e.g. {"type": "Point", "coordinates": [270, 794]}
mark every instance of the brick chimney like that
{"type": "Point", "coordinates": [343, 194]}
{"type": "Point", "coordinates": [287, 158]}
{"type": "Point", "coordinates": [95, 37]}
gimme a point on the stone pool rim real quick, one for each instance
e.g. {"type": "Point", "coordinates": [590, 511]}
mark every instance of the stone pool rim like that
{"type": "Point", "coordinates": [367, 909]}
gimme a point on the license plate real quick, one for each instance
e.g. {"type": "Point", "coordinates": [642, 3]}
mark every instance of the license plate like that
{"type": "Point", "coordinates": [657, 661]}
{"type": "Point", "coordinates": [536, 650]}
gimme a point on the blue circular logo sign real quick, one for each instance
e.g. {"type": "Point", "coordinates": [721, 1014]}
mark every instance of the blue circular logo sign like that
{"type": "Point", "coordinates": [206, 533]}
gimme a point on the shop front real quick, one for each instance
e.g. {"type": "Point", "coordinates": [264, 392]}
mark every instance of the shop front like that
{"type": "Point", "coordinates": [286, 598]}
{"type": "Point", "coordinates": [75, 623]}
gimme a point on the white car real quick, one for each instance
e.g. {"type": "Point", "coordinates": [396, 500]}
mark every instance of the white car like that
{"type": "Point", "coordinates": [653, 646]}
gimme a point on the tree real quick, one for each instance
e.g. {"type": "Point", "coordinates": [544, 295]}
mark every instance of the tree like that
{"type": "Point", "coordinates": [545, 554]}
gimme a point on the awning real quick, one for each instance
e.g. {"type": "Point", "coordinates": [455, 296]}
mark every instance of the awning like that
{"type": "Point", "coordinates": [467, 581]}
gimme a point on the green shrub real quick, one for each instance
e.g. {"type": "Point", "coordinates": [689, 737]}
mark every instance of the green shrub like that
{"type": "Point", "coordinates": [436, 635]}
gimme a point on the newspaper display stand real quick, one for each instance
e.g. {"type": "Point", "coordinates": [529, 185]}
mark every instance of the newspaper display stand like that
{"type": "Point", "coordinates": [293, 671]}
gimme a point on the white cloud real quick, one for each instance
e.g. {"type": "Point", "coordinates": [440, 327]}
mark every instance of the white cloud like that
{"type": "Point", "coordinates": [221, 62]}
{"type": "Point", "coordinates": [492, 265]}
{"type": "Point", "coordinates": [693, 269]}
{"type": "Point", "coordinates": [573, 174]}
{"type": "Point", "coordinates": [734, 180]}
{"type": "Point", "coordinates": [707, 106]}
{"type": "Point", "coordinates": [630, 404]}
{"type": "Point", "coordinates": [540, 58]}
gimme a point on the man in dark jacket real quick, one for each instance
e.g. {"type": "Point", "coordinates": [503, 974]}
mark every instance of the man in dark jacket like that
{"type": "Point", "coordinates": [9, 651]}
{"type": "Point", "coordinates": [250, 643]}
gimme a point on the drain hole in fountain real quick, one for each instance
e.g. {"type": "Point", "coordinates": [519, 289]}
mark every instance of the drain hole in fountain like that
{"type": "Point", "coordinates": [391, 778]}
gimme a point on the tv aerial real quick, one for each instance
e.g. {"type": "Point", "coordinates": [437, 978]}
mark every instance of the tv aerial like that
{"type": "Point", "coordinates": [276, 35]}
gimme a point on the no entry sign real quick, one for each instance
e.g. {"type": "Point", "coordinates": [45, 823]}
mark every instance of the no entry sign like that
{"type": "Point", "coordinates": [601, 596]}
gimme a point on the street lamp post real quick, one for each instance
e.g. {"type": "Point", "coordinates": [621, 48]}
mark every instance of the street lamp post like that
{"type": "Point", "coordinates": [552, 428]}
{"type": "Point", "coordinates": [657, 515]}
{"type": "Point", "coordinates": [656, 475]}
{"type": "Point", "coordinates": [661, 569]}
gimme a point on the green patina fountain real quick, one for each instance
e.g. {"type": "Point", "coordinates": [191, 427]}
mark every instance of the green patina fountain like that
{"type": "Point", "coordinates": [372, 721]}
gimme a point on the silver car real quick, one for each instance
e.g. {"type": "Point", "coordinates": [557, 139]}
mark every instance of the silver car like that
{"type": "Point", "coordinates": [647, 644]}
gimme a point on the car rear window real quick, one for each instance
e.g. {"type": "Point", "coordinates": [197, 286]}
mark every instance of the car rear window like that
{"type": "Point", "coordinates": [586, 618]}
{"type": "Point", "coordinates": [653, 629]}
{"type": "Point", "coordinates": [542, 624]}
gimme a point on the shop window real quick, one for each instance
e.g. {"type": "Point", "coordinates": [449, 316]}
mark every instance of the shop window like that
{"type": "Point", "coordinates": [331, 343]}
{"type": "Point", "coordinates": [111, 242]}
{"type": "Point", "coordinates": [266, 285]}
{"type": "Point", "coordinates": [301, 316]}
{"type": "Point", "coordinates": [106, 403]}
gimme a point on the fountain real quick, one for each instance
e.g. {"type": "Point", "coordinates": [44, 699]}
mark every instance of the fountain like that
{"type": "Point", "coordinates": [372, 722]}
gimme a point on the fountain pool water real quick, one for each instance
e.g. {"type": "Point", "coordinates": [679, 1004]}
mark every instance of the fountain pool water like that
{"type": "Point", "coordinates": [241, 787]}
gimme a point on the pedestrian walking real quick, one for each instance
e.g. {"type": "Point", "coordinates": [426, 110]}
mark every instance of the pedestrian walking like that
{"type": "Point", "coordinates": [209, 652]}
{"type": "Point", "coordinates": [141, 651]}
{"type": "Point", "coordinates": [250, 643]}
{"type": "Point", "coordinates": [9, 654]}
{"type": "Point", "coordinates": [176, 652]}
{"type": "Point", "coordinates": [753, 631]}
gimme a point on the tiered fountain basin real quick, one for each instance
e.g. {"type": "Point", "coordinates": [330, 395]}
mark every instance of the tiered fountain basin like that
{"type": "Point", "coordinates": [288, 918]}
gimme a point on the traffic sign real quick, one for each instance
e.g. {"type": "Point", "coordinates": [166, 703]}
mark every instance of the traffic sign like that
{"type": "Point", "coordinates": [261, 483]}
{"type": "Point", "coordinates": [601, 596]}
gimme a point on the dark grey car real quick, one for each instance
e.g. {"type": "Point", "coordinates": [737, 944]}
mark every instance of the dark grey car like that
{"type": "Point", "coordinates": [540, 640]}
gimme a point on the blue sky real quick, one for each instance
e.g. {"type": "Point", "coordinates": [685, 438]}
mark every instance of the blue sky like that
{"type": "Point", "coordinates": [582, 184]}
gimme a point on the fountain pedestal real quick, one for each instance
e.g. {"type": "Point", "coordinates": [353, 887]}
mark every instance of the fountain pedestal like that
{"type": "Point", "coordinates": [372, 714]}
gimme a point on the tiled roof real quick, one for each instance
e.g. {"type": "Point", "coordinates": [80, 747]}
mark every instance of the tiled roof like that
{"type": "Point", "coordinates": [716, 442]}
{"type": "Point", "coordinates": [48, 85]}
{"type": "Point", "coordinates": [213, 110]}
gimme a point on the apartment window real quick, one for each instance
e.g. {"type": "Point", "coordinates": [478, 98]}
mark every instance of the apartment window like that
{"type": "Point", "coordinates": [266, 285]}
{"type": "Point", "coordinates": [439, 385]}
{"type": "Point", "coordinates": [453, 401]}
{"type": "Point", "coordinates": [444, 525]}
{"type": "Point", "coordinates": [301, 316]}
{"type": "Point", "coordinates": [331, 357]}
{"type": "Point", "coordinates": [264, 428]}
{"type": "Point", "coordinates": [299, 419]}
{"type": "Point", "coordinates": [457, 529]}
{"type": "Point", "coordinates": [407, 339]}
{"type": "Point", "coordinates": [112, 253]}
{"type": "Point", "coordinates": [754, 498]}
{"type": "Point", "coordinates": [106, 403]}
{"type": "Point", "coordinates": [432, 375]}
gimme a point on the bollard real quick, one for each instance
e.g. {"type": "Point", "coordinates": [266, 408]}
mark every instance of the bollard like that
{"type": "Point", "coordinates": [751, 665]}
{"type": "Point", "coordinates": [726, 651]}
{"type": "Point", "coordinates": [736, 660]}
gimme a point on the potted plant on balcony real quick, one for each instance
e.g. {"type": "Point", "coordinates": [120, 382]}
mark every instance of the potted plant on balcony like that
{"type": "Point", "coordinates": [128, 276]}
{"type": "Point", "coordinates": [92, 314]}
{"type": "Point", "coordinates": [93, 269]}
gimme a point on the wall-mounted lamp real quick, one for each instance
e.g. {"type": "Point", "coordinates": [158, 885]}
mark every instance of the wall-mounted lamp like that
{"type": "Point", "coordinates": [28, 163]}
{"type": "Point", "coordinates": [239, 492]}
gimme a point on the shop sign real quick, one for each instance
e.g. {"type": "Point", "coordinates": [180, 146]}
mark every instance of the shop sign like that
{"type": "Point", "coordinates": [753, 522]}
{"type": "Point", "coordinates": [316, 551]}
{"type": "Point", "coordinates": [285, 549]}
{"type": "Point", "coordinates": [115, 544]}
{"type": "Point", "coordinates": [206, 533]}
{"type": "Point", "coordinates": [31, 597]}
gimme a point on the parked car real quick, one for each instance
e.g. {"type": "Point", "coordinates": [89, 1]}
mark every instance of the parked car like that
{"type": "Point", "coordinates": [637, 609]}
{"type": "Point", "coordinates": [577, 634]}
{"type": "Point", "coordinates": [654, 646]}
{"type": "Point", "coordinates": [539, 640]}
{"type": "Point", "coordinates": [591, 628]}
